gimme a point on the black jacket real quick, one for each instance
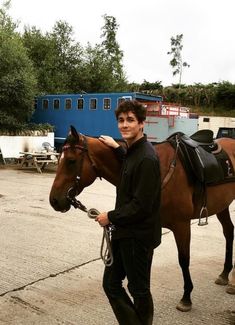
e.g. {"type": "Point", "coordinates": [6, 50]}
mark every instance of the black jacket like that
{"type": "Point", "coordinates": [136, 213]}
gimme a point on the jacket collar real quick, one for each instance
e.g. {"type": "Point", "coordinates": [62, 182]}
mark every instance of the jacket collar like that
{"type": "Point", "coordinates": [136, 144]}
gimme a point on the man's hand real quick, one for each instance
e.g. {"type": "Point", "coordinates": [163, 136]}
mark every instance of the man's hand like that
{"type": "Point", "coordinates": [103, 219]}
{"type": "Point", "coordinates": [109, 141]}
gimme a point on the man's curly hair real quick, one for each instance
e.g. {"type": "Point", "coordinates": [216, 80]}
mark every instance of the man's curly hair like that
{"type": "Point", "coordinates": [132, 106]}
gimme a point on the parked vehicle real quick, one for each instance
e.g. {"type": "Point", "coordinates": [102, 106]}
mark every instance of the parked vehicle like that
{"type": "Point", "coordinates": [225, 132]}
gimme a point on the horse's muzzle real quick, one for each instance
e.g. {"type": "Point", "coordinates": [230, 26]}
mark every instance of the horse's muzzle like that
{"type": "Point", "coordinates": [60, 205]}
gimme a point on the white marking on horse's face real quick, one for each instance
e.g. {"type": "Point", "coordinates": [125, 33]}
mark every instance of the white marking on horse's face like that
{"type": "Point", "coordinates": [61, 157]}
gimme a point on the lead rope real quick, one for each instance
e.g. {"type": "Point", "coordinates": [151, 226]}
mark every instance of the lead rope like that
{"type": "Point", "coordinates": [105, 252]}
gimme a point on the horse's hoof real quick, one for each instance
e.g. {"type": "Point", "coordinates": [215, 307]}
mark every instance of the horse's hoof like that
{"type": "Point", "coordinates": [231, 289]}
{"type": "Point", "coordinates": [221, 281]}
{"type": "Point", "coordinates": [182, 306]}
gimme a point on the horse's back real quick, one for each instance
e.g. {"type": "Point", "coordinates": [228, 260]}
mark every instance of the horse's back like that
{"type": "Point", "coordinates": [228, 145]}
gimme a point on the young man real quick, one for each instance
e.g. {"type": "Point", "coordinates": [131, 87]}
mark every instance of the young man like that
{"type": "Point", "coordinates": [135, 218]}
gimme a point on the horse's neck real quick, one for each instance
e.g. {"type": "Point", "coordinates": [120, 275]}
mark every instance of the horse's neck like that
{"type": "Point", "coordinates": [108, 165]}
{"type": "Point", "coordinates": [106, 162]}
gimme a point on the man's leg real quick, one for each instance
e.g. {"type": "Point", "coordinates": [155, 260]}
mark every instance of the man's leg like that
{"type": "Point", "coordinates": [120, 302]}
{"type": "Point", "coordinates": [138, 267]}
{"type": "Point", "coordinates": [144, 308]}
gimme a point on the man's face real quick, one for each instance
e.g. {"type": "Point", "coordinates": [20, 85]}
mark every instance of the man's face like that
{"type": "Point", "coordinates": [130, 128]}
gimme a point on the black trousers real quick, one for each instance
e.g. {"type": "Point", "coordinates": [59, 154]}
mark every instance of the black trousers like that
{"type": "Point", "coordinates": [132, 260]}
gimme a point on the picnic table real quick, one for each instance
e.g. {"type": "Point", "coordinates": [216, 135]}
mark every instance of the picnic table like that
{"type": "Point", "coordinates": [39, 160]}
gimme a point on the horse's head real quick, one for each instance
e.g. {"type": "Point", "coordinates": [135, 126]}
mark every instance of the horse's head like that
{"type": "Point", "coordinates": [75, 171]}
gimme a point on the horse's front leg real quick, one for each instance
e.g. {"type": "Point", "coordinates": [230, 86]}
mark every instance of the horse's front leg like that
{"type": "Point", "coordinates": [228, 231]}
{"type": "Point", "coordinates": [182, 233]}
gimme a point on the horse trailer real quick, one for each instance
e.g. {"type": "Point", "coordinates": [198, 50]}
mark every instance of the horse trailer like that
{"type": "Point", "coordinates": [93, 114]}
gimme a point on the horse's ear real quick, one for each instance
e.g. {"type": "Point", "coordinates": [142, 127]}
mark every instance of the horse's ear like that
{"type": "Point", "coordinates": [73, 132]}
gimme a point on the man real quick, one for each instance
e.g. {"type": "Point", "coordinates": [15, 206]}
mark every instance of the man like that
{"type": "Point", "coordinates": [135, 218]}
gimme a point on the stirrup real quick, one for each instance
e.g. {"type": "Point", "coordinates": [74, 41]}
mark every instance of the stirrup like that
{"type": "Point", "coordinates": [203, 215]}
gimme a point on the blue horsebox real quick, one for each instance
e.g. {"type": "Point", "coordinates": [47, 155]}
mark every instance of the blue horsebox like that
{"type": "Point", "coordinates": [91, 113]}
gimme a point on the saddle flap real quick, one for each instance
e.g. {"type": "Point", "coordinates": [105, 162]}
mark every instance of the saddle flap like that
{"type": "Point", "coordinates": [203, 164]}
{"type": "Point", "coordinates": [211, 170]}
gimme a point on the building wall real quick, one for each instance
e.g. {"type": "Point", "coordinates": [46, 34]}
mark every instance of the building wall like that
{"type": "Point", "coordinates": [11, 146]}
{"type": "Point", "coordinates": [159, 128]}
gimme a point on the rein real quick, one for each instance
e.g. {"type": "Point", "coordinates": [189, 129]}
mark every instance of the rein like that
{"type": "Point", "coordinates": [105, 248]}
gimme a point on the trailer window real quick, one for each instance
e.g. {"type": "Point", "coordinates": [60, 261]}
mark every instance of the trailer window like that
{"type": "Point", "coordinates": [80, 103]}
{"type": "Point", "coordinates": [45, 103]}
{"type": "Point", "coordinates": [56, 103]}
{"type": "Point", "coordinates": [107, 103]}
{"type": "Point", "coordinates": [68, 103]}
{"type": "Point", "coordinates": [93, 103]}
{"type": "Point", "coordinates": [120, 100]}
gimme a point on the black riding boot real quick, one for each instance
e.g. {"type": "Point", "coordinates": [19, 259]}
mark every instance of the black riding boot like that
{"type": "Point", "coordinates": [124, 311]}
{"type": "Point", "coordinates": [144, 308]}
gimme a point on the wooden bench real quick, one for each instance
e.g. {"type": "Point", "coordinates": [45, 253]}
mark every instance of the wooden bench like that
{"type": "Point", "coordinates": [39, 160]}
{"type": "Point", "coordinates": [44, 163]}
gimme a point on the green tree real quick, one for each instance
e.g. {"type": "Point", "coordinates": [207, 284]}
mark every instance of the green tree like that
{"type": "Point", "coordinates": [225, 96]}
{"type": "Point", "coordinates": [176, 62]}
{"type": "Point", "coordinates": [6, 22]}
{"type": "Point", "coordinates": [68, 57]}
{"type": "Point", "coordinates": [113, 54]}
{"type": "Point", "coordinates": [57, 58]}
{"type": "Point", "coordinates": [17, 76]}
{"type": "Point", "coordinates": [63, 66]}
{"type": "Point", "coordinates": [40, 48]}
{"type": "Point", "coordinates": [96, 70]}
{"type": "Point", "coordinates": [150, 87]}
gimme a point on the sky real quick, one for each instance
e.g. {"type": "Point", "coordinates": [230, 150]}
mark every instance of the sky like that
{"type": "Point", "coordinates": [144, 33]}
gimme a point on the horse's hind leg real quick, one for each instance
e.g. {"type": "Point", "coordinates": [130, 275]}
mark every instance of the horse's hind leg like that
{"type": "Point", "coordinates": [231, 285]}
{"type": "Point", "coordinates": [228, 231]}
{"type": "Point", "coordinates": [182, 233]}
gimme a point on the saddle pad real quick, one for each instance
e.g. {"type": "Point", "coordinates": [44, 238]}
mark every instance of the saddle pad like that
{"type": "Point", "coordinates": [226, 165]}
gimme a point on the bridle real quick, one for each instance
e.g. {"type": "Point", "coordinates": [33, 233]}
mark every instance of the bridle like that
{"type": "Point", "coordinates": [105, 252]}
{"type": "Point", "coordinates": [72, 191]}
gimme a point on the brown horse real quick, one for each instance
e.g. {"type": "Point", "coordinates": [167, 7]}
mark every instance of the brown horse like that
{"type": "Point", "coordinates": [84, 159]}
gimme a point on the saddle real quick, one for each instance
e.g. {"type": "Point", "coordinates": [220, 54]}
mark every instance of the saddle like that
{"type": "Point", "coordinates": [202, 158]}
